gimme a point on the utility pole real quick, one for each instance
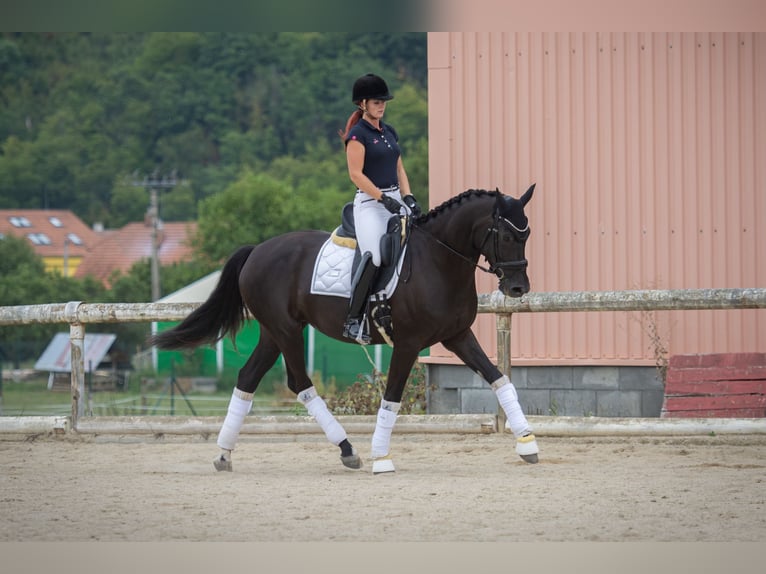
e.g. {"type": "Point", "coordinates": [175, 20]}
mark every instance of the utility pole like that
{"type": "Point", "coordinates": [154, 183]}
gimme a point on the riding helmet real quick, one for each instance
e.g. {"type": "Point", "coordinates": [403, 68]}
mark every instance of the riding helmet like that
{"type": "Point", "coordinates": [370, 87]}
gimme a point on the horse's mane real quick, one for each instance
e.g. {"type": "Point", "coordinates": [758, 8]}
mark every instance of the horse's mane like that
{"type": "Point", "coordinates": [452, 201]}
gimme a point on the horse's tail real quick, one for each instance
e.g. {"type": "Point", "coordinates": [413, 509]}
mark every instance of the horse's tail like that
{"type": "Point", "coordinates": [223, 312]}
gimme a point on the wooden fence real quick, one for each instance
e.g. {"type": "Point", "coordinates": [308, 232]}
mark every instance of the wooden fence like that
{"type": "Point", "coordinates": [77, 314]}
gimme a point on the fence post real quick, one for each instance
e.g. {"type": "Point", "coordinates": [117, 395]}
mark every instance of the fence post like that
{"type": "Point", "coordinates": [77, 342]}
{"type": "Point", "coordinates": [77, 360]}
{"type": "Point", "coordinates": [503, 321]}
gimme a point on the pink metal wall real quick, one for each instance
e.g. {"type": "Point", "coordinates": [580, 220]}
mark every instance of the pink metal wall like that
{"type": "Point", "coordinates": [649, 153]}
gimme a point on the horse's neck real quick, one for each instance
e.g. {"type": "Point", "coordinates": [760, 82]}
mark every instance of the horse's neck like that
{"type": "Point", "coordinates": [460, 229]}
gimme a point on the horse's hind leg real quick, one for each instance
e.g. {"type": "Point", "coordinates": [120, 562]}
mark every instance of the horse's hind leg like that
{"type": "Point", "coordinates": [301, 385]}
{"type": "Point", "coordinates": [263, 358]}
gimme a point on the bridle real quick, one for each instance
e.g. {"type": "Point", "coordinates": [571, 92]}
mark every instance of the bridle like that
{"type": "Point", "coordinates": [498, 267]}
{"type": "Point", "coordinates": [494, 231]}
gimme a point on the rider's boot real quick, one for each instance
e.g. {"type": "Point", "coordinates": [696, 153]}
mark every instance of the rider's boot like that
{"type": "Point", "coordinates": [357, 326]}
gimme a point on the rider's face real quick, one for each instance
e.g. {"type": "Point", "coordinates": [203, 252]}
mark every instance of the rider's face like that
{"type": "Point", "coordinates": [375, 108]}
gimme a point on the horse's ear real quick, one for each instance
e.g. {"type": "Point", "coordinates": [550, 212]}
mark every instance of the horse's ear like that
{"type": "Point", "coordinates": [528, 194]}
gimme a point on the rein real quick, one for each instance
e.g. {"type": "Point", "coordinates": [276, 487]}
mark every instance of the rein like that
{"type": "Point", "coordinates": [494, 268]}
{"type": "Point", "coordinates": [453, 251]}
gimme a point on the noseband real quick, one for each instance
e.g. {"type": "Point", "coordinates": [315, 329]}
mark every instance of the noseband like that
{"type": "Point", "coordinates": [499, 267]}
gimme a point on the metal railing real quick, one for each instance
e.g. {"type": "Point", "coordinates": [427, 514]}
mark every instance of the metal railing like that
{"type": "Point", "coordinates": [77, 314]}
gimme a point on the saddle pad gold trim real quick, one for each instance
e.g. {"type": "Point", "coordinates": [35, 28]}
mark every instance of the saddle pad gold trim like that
{"type": "Point", "coordinates": [349, 242]}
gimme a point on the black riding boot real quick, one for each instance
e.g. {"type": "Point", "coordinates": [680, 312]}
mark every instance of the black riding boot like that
{"type": "Point", "coordinates": [357, 326]}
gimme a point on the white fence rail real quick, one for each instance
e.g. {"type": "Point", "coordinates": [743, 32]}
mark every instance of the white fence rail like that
{"type": "Point", "coordinates": [77, 314]}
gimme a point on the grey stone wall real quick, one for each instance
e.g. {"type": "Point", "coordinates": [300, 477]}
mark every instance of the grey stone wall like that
{"type": "Point", "coordinates": [570, 391]}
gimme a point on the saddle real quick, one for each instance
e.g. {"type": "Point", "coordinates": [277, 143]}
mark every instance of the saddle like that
{"type": "Point", "coordinates": [391, 244]}
{"type": "Point", "coordinates": [391, 249]}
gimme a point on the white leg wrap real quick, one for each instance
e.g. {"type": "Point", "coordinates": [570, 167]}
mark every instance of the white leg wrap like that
{"type": "Point", "coordinates": [239, 406]}
{"type": "Point", "coordinates": [381, 438]}
{"type": "Point", "coordinates": [317, 408]}
{"type": "Point", "coordinates": [509, 400]}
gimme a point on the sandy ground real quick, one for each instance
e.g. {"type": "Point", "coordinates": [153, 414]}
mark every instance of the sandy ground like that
{"type": "Point", "coordinates": [450, 487]}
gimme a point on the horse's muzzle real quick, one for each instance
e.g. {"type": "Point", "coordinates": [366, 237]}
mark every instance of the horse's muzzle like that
{"type": "Point", "coordinates": [514, 286]}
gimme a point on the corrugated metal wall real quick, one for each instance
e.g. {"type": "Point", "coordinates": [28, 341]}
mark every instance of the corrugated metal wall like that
{"type": "Point", "coordinates": [650, 160]}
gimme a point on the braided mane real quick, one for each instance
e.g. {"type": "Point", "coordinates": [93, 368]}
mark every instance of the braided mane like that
{"type": "Point", "coordinates": [452, 201]}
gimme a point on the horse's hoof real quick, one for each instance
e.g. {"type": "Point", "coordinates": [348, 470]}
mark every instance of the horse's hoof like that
{"type": "Point", "coordinates": [352, 461]}
{"type": "Point", "coordinates": [222, 463]}
{"type": "Point", "coordinates": [382, 465]}
{"type": "Point", "coordinates": [527, 449]}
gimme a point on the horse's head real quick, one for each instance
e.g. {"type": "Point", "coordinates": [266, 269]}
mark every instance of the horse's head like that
{"type": "Point", "coordinates": [504, 243]}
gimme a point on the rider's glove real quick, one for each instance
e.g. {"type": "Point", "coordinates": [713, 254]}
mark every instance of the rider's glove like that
{"type": "Point", "coordinates": [390, 204]}
{"type": "Point", "coordinates": [412, 203]}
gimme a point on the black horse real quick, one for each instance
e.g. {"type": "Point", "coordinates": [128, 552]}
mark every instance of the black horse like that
{"type": "Point", "coordinates": [435, 302]}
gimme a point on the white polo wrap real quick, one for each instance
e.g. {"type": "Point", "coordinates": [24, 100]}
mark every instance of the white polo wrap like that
{"type": "Point", "coordinates": [239, 405]}
{"type": "Point", "coordinates": [509, 400]}
{"type": "Point", "coordinates": [381, 438]}
{"type": "Point", "coordinates": [317, 408]}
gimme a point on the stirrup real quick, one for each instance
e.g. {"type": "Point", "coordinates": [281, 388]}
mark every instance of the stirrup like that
{"type": "Point", "coordinates": [355, 329]}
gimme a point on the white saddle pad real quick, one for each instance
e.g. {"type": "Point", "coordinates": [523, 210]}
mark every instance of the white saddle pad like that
{"type": "Point", "coordinates": [332, 272]}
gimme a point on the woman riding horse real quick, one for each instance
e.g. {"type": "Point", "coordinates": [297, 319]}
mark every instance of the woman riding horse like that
{"type": "Point", "coordinates": [434, 302]}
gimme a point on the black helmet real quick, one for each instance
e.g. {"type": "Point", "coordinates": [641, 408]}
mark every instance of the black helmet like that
{"type": "Point", "coordinates": [370, 87]}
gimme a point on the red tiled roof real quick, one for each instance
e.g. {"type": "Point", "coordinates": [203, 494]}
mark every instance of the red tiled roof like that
{"type": "Point", "coordinates": [101, 252]}
{"type": "Point", "coordinates": [47, 229]}
{"type": "Point", "coordinates": [121, 248]}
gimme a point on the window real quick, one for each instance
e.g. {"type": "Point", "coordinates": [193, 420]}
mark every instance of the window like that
{"type": "Point", "coordinates": [39, 238]}
{"type": "Point", "coordinates": [74, 239]}
{"type": "Point", "coordinates": [55, 222]}
{"type": "Point", "coordinates": [20, 222]}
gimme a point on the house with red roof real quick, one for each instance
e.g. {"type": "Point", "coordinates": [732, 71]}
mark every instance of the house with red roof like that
{"type": "Point", "coordinates": [70, 247]}
{"type": "Point", "coordinates": [121, 248]}
{"type": "Point", "coordinates": [61, 238]}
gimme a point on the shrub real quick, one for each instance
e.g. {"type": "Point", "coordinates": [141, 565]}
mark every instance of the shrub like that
{"type": "Point", "coordinates": [364, 395]}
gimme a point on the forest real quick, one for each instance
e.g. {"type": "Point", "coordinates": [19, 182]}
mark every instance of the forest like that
{"type": "Point", "coordinates": [246, 123]}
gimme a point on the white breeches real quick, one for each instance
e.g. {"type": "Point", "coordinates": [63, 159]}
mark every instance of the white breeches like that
{"type": "Point", "coordinates": [371, 220]}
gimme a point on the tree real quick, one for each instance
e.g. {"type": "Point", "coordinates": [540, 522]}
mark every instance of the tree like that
{"type": "Point", "coordinates": [23, 281]}
{"type": "Point", "coordinates": [249, 211]}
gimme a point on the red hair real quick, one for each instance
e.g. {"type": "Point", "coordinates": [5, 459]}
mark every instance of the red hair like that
{"type": "Point", "coordinates": [353, 119]}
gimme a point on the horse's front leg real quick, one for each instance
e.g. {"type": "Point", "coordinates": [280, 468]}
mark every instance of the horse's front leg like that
{"type": "Point", "coordinates": [398, 372]}
{"type": "Point", "coordinates": [467, 348]}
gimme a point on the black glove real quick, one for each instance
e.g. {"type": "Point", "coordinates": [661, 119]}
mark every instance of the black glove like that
{"type": "Point", "coordinates": [390, 204]}
{"type": "Point", "coordinates": [412, 203]}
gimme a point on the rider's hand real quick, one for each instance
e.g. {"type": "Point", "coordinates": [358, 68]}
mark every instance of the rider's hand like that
{"type": "Point", "coordinates": [390, 204]}
{"type": "Point", "coordinates": [412, 203]}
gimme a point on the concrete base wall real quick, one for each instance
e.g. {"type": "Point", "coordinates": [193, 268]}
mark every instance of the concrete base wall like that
{"type": "Point", "coordinates": [569, 391]}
